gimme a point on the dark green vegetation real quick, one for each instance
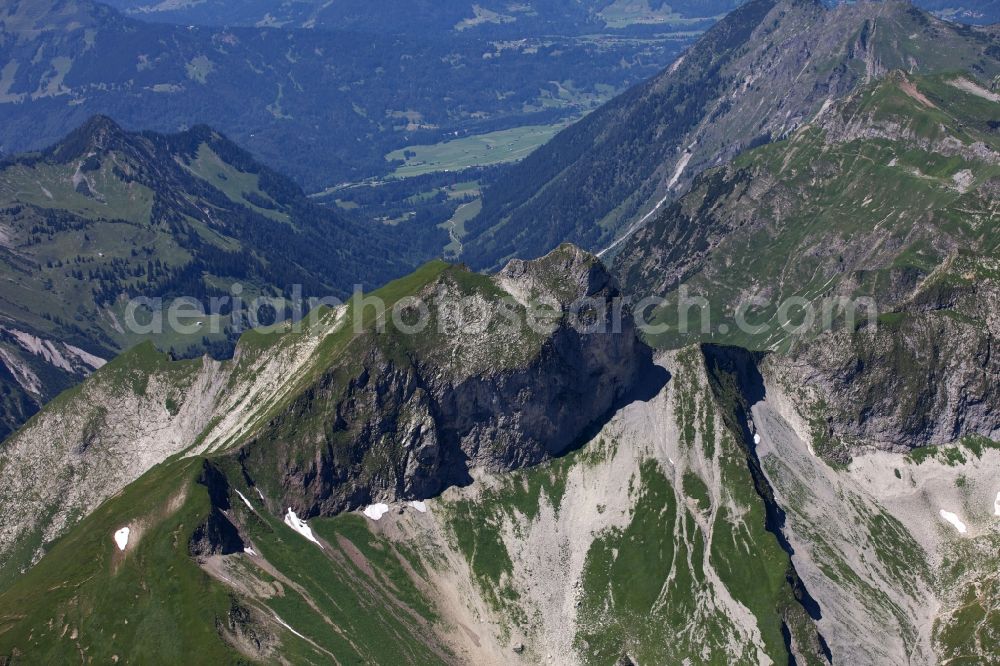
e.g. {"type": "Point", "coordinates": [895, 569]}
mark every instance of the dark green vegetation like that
{"type": "Point", "coordinates": [735, 385]}
{"type": "Point", "coordinates": [764, 70]}
{"type": "Point", "coordinates": [322, 105]}
{"type": "Point", "coordinates": [106, 215]}
{"type": "Point", "coordinates": [442, 198]}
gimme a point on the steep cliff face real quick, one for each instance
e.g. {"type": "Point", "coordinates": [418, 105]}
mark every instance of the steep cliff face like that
{"type": "Point", "coordinates": [923, 375]}
{"type": "Point", "coordinates": [905, 542]}
{"type": "Point", "coordinates": [482, 388]}
{"type": "Point", "coordinates": [352, 407]}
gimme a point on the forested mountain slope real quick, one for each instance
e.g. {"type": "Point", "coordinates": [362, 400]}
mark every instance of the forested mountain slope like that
{"type": "Point", "coordinates": [323, 106]}
{"type": "Point", "coordinates": [107, 215]}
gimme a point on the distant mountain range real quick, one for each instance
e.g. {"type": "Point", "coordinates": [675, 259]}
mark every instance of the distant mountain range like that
{"type": "Point", "coordinates": [757, 75]}
{"type": "Point", "coordinates": [105, 215]}
{"type": "Point", "coordinates": [323, 106]}
{"type": "Point", "coordinates": [494, 18]}
{"type": "Point", "coordinates": [563, 17]}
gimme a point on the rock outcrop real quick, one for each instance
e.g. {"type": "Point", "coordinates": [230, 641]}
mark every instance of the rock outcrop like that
{"type": "Point", "coordinates": [923, 375]}
{"type": "Point", "coordinates": [482, 388]}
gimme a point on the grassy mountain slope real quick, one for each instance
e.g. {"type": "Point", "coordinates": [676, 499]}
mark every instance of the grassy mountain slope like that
{"type": "Point", "coordinates": [178, 608]}
{"type": "Point", "coordinates": [870, 199]}
{"type": "Point", "coordinates": [460, 583]}
{"type": "Point", "coordinates": [653, 542]}
{"type": "Point", "coordinates": [889, 196]}
{"type": "Point", "coordinates": [764, 70]}
{"type": "Point", "coordinates": [106, 215]}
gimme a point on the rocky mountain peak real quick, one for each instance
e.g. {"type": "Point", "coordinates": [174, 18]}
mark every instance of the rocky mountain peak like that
{"type": "Point", "coordinates": [565, 275]}
{"type": "Point", "coordinates": [100, 134]}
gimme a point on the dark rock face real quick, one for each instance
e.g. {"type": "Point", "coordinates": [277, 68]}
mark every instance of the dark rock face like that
{"type": "Point", "coordinates": [217, 535]}
{"type": "Point", "coordinates": [927, 375]}
{"type": "Point", "coordinates": [405, 420]}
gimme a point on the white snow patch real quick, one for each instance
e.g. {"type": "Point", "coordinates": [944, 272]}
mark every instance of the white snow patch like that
{"type": "Point", "coordinates": [954, 520]}
{"type": "Point", "coordinates": [677, 65]}
{"type": "Point", "coordinates": [286, 626]}
{"type": "Point", "coordinates": [996, 505]}
{"type": "Point", "coordinates": [259, 493]}
{"type": "Point", "coordinates": [419, 506]}
{"type": "Point", "coordinates": [249, 551]}
{"type": "Point", "coordinates": [300, 526]}
{"type": "Point", "coordinates": [756, 438]}
{"type": "Point", "coordinates": [376, 511]}
{"type": "Point", "coordinates": [121, 538]}
{"type": "Point", "coordinates": [245, 500]}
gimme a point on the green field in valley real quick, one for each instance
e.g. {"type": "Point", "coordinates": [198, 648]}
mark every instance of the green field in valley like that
{"type": "Point", "coordinates": [479, 150]}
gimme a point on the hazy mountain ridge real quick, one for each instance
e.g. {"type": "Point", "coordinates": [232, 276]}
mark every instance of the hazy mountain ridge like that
{"type": "Point", "coordinates": [758, 74]}
{"type": "Point", "coordinates": [324, 107]}
{"type": "Point", "coordinates": [500, 19]}
{"type": "Point", "coordinates": [107, 215]}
